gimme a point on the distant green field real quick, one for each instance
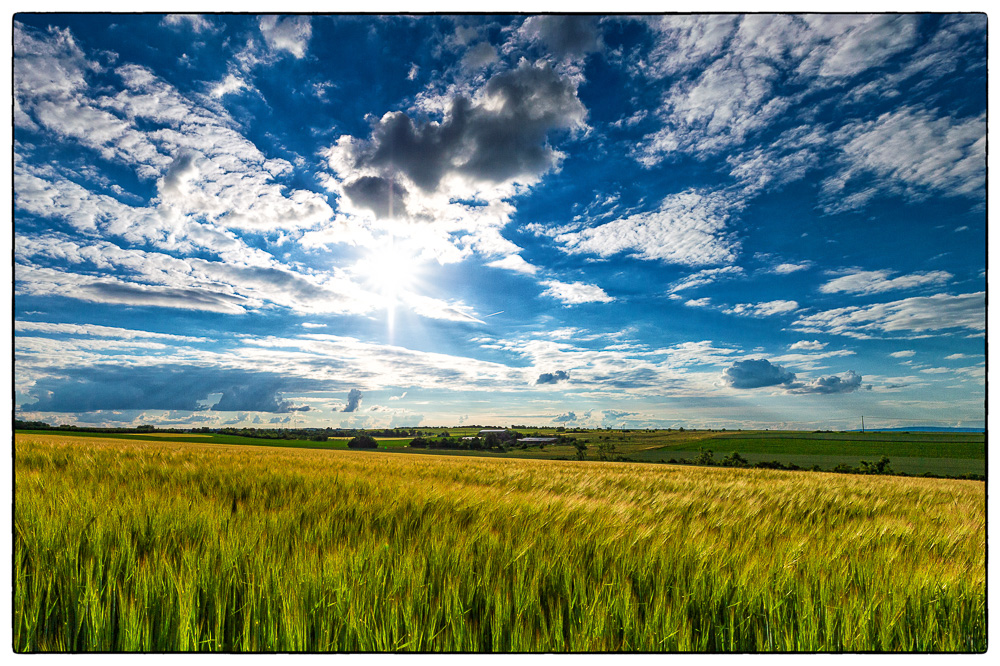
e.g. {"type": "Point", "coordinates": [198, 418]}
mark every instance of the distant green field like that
{"type": "Point", "coordinates": [949, 454]}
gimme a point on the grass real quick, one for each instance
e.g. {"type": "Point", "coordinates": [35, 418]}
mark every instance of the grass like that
{"type": "Point", "coordinates": [123, 545]}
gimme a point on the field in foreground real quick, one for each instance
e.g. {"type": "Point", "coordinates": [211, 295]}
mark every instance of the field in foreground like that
{"type": "Point", "coordinates": [136, 545]}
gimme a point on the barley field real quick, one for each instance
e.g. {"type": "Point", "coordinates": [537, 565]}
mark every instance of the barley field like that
{"type": "Point", "coordinates": [126, 545]}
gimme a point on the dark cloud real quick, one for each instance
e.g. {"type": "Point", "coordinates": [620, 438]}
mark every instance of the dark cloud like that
{"type": "Point", "coordinates": [252, 397]}
{"type": "Point", "coordinates": [612, 414]}
{"type": "Point", "coordinates": [832, 384]}
{"type": "Point", "coordinates": [564, 35]}
{"type": "Point", "coordinates": [756, 374]}
{"type": "Point", "coordinates": [353, 401]}
{"type": "Point", "coordinates": [501, 137]}
{"type": "Point", "coordinates": [164, 387]}
{"type": "Point", "coordinates": [563, 418]}
{"type": "Point", "coordinates": [760, 373]}
{"type": "Point", "coordinates": [380, 195]}
{"type": "Point", "coordinates": [552, 377]}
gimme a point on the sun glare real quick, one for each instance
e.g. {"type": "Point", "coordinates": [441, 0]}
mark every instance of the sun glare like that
{"type": "Point", "coordinates": [390, 271]}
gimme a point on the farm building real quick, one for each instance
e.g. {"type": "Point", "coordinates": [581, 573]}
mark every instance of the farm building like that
{"type": "Point", "coordinates": [538, 440]}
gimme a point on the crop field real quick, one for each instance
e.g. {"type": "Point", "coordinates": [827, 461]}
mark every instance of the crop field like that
{"type": "Point", "coordinates": [123, 545]}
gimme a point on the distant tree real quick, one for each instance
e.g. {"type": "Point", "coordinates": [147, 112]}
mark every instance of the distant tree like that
{"type": "Point", "coordinates": [491, 441]}
{"type": "Point", "coordinates": [363, 442]}
{"type": "Point", "coordinates": [419, 443]}
{"type": "Point", "coordinates": [581, 451]}
{"type": "Point", "coordinates": [606, 451]}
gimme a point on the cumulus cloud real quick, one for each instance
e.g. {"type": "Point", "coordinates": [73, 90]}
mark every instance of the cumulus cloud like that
{"type": "Point", "coordinates": [552, 377]}
{"type": "Point", "coordinates": [479, 56]}
{"type": "Point", "coordinates": [809, 345]}
{"type": "Point", "coordinates": [757, 373]}
{"type": "Point", "coordinates": [565, 418]}
{"type": "Point", "coordinates": [289, 34]}
{"type": "Point", "coordinates": [564, 35]}
{"type": "Point", "coordinates": [353, 401]}
{"type": "Point", "coordinates": [688, 228]}
{"type": "Point", "coordinates": [905, 353]}
{"type": "Point", "coordinates": [873, 282]}
{"type": "Point", "coordinates": [850, 382]}
{"type": "Point", "coordinates": [497, 137]}
{"type": "Point", "coordinates": [574, 293]}
{"type": "Point", "coordinates": [760, 373]}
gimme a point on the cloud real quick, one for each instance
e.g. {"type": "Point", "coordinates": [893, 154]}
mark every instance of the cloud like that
{"type": "Point", "coordinates": [910, 315]}
{"type": "Point", "coordinates": [850, 382]}
{"type": "Point", "coordinates": [255, 397]}
{"type": "Point", "coordinates": [564, 35]}
{"type": "Point", "coordinates": [552, 378]}
{"type": "Point", "coordinates": [756, 373]}
{"type": "Point", "coordinates": [765, 309]}
{"type": "Point", "coordinates": [195, 22]}
{"type": "Point", "coordinates": [565, 418]}
{"type": "Point", "coordinates": [873, 282]}
{"type": "Point", "coordinates": [704, 302]}
{"type": "Point", "coordinates": [688, 228]}
{"type": "Point", "coordinates": [909, 152]}
{"type": "Point", "coordinates": [229, 85]}
{"type": "Point", "coordinates": [786, 268]}
{"type": "Point", "coordinates": [479, 56]}
{"type": "Point", "coordinates": [107, 387]}
{"type": "Point", "coordinates": [706, 276]}
{"type": "Point", "coordinates": [289, 34]}
{"type": "Point", "coordinates": [495, 138]}
{"type": "Point", "coordinates": [902, 354]}
{"type": "Point", "coordinates": [353, 401]}
{"type": "Point", "coordinates": [574, 293]}
{"type": "Point", "coordinates": [813, 345]}
{"type": "Point", "coordinates": [514, 262]}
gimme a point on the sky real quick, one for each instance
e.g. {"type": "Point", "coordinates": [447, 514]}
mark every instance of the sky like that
{"type": "Point", "coordinates": [665, 221]}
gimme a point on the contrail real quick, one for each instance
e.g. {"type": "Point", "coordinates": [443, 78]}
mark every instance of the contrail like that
{"type": "Point", "coordinates": [494, 314]}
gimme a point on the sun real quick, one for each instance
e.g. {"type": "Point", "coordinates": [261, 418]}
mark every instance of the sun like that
{"type": "Point", "coordinates": [390, 271]}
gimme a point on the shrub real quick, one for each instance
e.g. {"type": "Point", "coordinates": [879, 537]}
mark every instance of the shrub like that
{"type": "Point", "coordinates": [363, 442]}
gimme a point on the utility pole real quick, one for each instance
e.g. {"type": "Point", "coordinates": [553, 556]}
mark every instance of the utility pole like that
{"type": "Point", "coordinates": [862, 424]}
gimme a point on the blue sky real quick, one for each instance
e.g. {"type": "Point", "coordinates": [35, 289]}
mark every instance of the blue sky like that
{"type": "Point", "coordinates": [366, 221]}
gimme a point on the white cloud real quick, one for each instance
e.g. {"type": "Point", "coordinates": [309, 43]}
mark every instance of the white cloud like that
{"type": "Point", "coordinates": [765, 309]}
{"type": "Point", "coordinates": [230, 84]}
{"type": "Point", "coordinates": [911, 315]}
{"type": "Point", "coordinates": [514, 262]}
{"type": "Point", "coordinates": [905, 353]}
{"type": "Point", "coordinates": [811, 345]}
{"type": "Point", "coordinates": [873, 282]}
{"type": "Point", "coordinates": [289, 34]}
{"type": "Point", "coordinates": [786, 268]}
{"type": "Point", "coordinates": [195, 22]}
{"type": "Point", "coordinates": [698, 302]}
{"type": "Point", "coordinates": [911, 152]}
{"type": "Point", "coordinates": [98, 331]}
{"type": "Point", "coordinates": [573, 293]}
{"type": "Point", "coordinates": [706, 276]}
{"type": "Point", "coordinates": [688, 228]}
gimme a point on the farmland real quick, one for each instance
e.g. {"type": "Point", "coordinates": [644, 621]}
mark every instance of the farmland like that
{"type": "Point", "coordinates": [175, 544]}
{"type": "Point", "coordinates": [913, 453]}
